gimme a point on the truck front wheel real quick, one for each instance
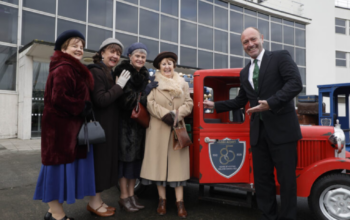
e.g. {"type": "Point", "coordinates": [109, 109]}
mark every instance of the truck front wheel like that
{"type": "Point", "coordinates": [330, 197]}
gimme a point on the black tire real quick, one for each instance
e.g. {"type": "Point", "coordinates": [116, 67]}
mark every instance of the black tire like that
{"type": "Point", "coordinates": [330, 193]}
{"type": "Point", "coordinates": [139, 188]}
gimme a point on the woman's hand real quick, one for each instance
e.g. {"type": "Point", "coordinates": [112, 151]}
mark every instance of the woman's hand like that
{"type": "Point", "coordinates": [123, 78]}
{"type": "Point", "coordinates": [153, 84]}
{"type": "Point", "coordinates": [169, 119]}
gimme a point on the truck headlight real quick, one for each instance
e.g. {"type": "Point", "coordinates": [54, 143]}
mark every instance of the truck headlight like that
{"type": "Point", "coordinates": [337, 139]}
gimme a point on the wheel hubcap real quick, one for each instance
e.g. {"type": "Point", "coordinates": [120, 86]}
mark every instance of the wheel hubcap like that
{"type": "Point", "coordinates": [335, 202]}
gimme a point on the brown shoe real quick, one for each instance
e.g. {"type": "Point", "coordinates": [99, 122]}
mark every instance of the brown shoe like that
{"type": "Point", "coordinates": [109, 208]}
{"type": "Point", "coordinates": [181, 211]}
{"type": "Point", "coordinates": [161, 210]}
{"type": "Point", "coordinates": [127, 205]}
{"type": "Point", "coordinates": [96, 212]}
{"type": "Point", "coordinates": [135, 201]}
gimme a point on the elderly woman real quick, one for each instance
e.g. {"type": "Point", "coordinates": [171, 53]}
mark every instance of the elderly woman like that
{"type": "Point", "coordinates": [67, 171]}
{"type": "Point", "coordinates": [161, 164]}
{"type": "Point", "coordinates": [106, 105]}
{"type": "Point", "coordinates": [132, 134]}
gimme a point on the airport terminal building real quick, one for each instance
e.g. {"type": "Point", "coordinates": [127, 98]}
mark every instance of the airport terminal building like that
{"type": "Point", "coordinates": [204, 33]}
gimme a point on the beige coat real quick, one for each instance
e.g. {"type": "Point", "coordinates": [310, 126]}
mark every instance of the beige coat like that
{"type": "Point", "coordinates": [161, 162]}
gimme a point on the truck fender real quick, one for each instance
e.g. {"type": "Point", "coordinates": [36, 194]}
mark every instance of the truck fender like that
{"type": "Point", "coordinates": [307, 177]}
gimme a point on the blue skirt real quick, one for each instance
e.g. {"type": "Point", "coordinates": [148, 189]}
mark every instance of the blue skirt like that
{"type": "Point", "coordinates": [67, 182]}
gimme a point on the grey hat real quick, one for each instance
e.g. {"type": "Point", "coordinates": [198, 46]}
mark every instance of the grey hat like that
{"type": "Point", "coordinates": [109, 41]}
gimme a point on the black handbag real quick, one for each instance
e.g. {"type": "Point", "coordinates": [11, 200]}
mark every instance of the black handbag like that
{"type": "Point", "coordinates": [91, 133]}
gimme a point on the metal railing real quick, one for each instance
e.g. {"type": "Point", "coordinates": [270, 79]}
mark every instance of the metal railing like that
{"type": "Point", "coordinates": [342, 3]}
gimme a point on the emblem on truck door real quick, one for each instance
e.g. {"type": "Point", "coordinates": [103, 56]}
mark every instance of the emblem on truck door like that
{"type": "Point", "coordinates": [227, 156]}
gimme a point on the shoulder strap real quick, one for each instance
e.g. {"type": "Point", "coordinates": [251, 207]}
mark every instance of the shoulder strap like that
{"type": "Point", "coordinates": [176, 120]}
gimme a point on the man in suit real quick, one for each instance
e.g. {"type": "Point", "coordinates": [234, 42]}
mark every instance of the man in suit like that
{"type": "Point", "coordinates": [269, 82]}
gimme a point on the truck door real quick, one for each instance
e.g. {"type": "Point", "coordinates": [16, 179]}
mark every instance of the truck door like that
{"type": "Point", "coordinates": [224, 147]}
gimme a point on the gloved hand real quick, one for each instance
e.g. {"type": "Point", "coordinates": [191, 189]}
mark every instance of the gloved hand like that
{"type": "Point", "coordinates": [153, 84]}
{"type": "Point", "coordinates": [123, 78]}
{"type": "Point", "coordinates": [87, 109]}
{"type": "Point", "coordinates": [169, 119]}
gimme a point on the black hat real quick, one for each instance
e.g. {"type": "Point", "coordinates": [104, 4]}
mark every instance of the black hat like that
{"type": "Point", "coordinates": [135, 46]}
{"type": "Point", "coordinates": [65, 36]}
{"type": "Point", "coordinates": [163, 55]}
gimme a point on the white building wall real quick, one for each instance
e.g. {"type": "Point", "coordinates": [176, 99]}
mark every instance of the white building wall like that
{"type": "Point", "coordinates": [290, 6]}
{"type": "Point", "coordinates": [8, 112]}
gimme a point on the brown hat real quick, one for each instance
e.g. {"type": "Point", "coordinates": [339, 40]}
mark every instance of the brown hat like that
{"type": "Point", "coordinates": [163, 55]}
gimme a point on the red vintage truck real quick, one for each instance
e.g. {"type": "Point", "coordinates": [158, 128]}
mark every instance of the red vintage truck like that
{"type": "Point", "coordinates": [221, 158]}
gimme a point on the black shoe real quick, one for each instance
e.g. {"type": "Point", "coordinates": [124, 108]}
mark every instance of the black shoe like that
{"type": "Point", "coordinates": [47, 216]}
{"type": "Point", "coordinates": [64, 218]}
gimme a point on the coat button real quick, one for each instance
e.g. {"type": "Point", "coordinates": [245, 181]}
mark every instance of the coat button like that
{"type": "Point", "coordinates": [170, 103]}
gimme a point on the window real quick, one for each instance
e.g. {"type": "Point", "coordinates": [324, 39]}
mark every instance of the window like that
{"type": "Point", "coordinates": [340, 26]}
{"type": "Point", "coordinates": [126, 18]}
{"type": "Point", "coordinates": [149, 23]}
{"type": "Point", "coordinates": [35, 26]}
{"type": "Point", "coordinates": [340, 58]}
{"type": "Point", "coordinates": [41, 5]}
{"type": "Point", "coordinates": [8, 24]}
{"type": "Point", "coordinates": [72, 9]}
{"type": "Point", "coordinates": [101, 12]}
{"type": "Point", "coordinates": [96, 36]}
{"type": "Point", "coordinates": [7, 68]}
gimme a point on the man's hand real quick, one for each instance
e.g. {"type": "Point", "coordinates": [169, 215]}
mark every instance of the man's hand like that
{"type": "Point", "coordinates": [208, 104]}
{"type": "Point", "coordinates": [264, 106]}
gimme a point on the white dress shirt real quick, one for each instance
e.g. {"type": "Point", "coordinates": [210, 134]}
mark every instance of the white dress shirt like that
{"type": "Point", "coordinates": [252, 65]}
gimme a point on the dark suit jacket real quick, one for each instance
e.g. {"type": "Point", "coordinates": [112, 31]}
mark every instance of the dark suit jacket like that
{"type": "Point", "coordinates": [279, 83]}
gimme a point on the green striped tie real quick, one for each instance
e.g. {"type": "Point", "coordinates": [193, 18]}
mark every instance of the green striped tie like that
{"type": "Point", "coordinates": [256, 75]}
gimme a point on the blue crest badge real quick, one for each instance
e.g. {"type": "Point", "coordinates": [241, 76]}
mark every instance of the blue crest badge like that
{"type": "Point", "coordinates": [227, 156]}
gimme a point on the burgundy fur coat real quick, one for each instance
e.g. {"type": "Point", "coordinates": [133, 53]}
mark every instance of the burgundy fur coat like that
{"type": "Point", "coordinates": [67, 89]}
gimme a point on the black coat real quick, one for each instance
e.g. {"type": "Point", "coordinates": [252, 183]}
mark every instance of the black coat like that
{"type": "Point", "coordinates": [131, 134]}
{"type": "Point", "coordinates": [106, 106]}
{"type": "Point", "coordinates": [279, 82]}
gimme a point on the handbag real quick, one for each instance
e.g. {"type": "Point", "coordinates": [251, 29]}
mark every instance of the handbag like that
{"type": "Point", "coordinates": [91, 133]}
{"type": "Point", "coordinates": [180, 135]}
{"type": "Point", "coordinates": [140, 114]}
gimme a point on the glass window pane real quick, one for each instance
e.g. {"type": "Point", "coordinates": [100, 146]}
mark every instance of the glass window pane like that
{"type": "Point", "coordinates": [264, 28]}
{"type": "Point", "coordinates": [189, 9]}
{"type": "Point", "coordinates": [279, 20]}
{"type": "Point", "coordinates": [300, 56]}
{"type": "Point", "coordinates": [152, 4]}
{"type": "Point", "coordinates": [236, 22]}
{"type": "Point", "coordinates": [300, 25]}
{"type": "Point", "coordinates": [101, 12]}
{"type": "Point", "coordinates": [220, 61]}
{"type": "Point", "coordinates": [149, 23]}
{"type": "Point", "coordinates": [222, 3]}
{"type": "Point", "coordinates": [205, 13]}
{"type": "Point", "coordinates": [303, 75]}
{"type": "Point", "coordinates": [299, 37]}
{"type": "Point", "coordinates": [260, 15]}
{"type": "Point", "coordinates": [96, 36]}
{"type": "Point", "coordinates": [41, 5]}
{"type": "Point", "coordinates": [205, 37]}
{"type": "Point", "coordinates": [291, 23]}
{"type": "Point", "coordinates": [132, 1]}
{"type": "Point", "coordinates": [188, 33]}
{"type": "Point", "coordinates": [250, 12]}
{"type": "Point", "coordinates": [170, 7]}
{"type": "Point", "coordinates": [126, 18]}
{"type": "Point", "coordinates": [340, 55]}
{"type": "Point", "coordinates": [290, 50]}
{"type": "Point", "coordinates": [250, 21]}
{"type": "Point", "coordinates": [7, 68]}
{"type": "Point", "coordinates": [276, 32]}
{"type": "Point", "coordinates": [152, 46]}
{"type": "Point", "coordinates": [8, 24]}
{"type": "Point", "coordinates": [63, 25]}
{"type": "Point", "coordinates": [236, 62]}
{"type": "Point", "coordinates": [35, 26]}
{"type": "Point", "coordinates": [126, 40]}
{"type": "Point", "coordinates": [340, 62]}
{"type": "Point", "coordinates": [276, 46]}
{"type": "Point", "coordinates": [288, 35]}
{"type": "Point", "coordinates": [10, 1]}
{"type": "Point", "coordinates": [235, 7]}
{"type": "Point", "coordinates": [246, 61]}
{"type": "Point", "coordinates": [340, 22]}
{"type": "Point", "coordinates": [168, 47]}
{"type": "Point", "coordinates": [221, 41]}
{"type": "Point", "coordinates": [339, 30]}
{"type": "Point", "coordinates": [188, 57]}
{"type": "Point", "coordinates": [72, 9]}
{"type": "Point", "coordinates": [169, 29]}
{"type": "Point", "coordinates": [205, 59]}
{"type": "Point", "coordinates": [221, 18]}
{"type": "Point", "coordinates": [236, 44]}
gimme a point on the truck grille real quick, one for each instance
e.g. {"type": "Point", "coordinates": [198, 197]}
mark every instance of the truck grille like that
{"type": "Point", "coordinates": [311, 151]}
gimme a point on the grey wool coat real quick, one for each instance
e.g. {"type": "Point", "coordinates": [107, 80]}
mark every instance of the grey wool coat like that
{"type": "Point", "coordinates": [161, 162]}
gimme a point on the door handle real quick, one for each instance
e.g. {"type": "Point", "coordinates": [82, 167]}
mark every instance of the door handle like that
{"type": "Point", "coordinates": [208, 140]}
